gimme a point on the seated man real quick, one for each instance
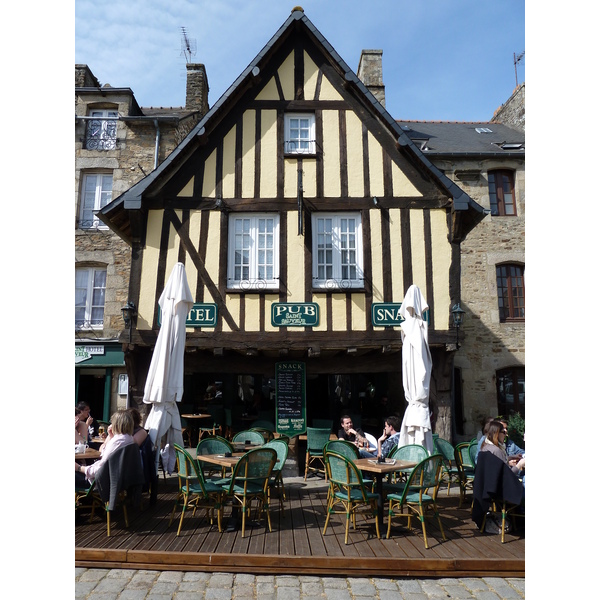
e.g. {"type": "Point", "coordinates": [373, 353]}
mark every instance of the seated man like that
{"type": "Point", "coordinates": [389, 439]}
{"type": "Point", "coordinates": [354, 436]}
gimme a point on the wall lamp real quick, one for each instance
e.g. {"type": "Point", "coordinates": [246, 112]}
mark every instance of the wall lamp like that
{"type": "Point", "coordinates": [458, 316]}
{"type": "Point", "coordinates": [128, 314]}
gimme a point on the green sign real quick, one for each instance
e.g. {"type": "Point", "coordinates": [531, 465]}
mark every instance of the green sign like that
{"type": "Point", "coordinates": [294, 314]}
{"type": "Point", "coordinates": [201, 315]}
{"type": "Point", "coordinates": [387, 314]}
{"type": "Point", "coordinates": [290, 397]}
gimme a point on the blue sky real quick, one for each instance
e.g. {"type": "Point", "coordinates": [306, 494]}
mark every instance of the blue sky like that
{"type": "Point", "coordinates": [442, 60]}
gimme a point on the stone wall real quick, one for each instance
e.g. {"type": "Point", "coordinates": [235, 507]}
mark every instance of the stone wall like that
{"type": "Point", "coordinates": [512, 112]}
{"type": "Point", "coordinates": [488, 344]}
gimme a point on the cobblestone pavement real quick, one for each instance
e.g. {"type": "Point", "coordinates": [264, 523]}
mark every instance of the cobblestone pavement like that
{"type": "Point", "coordinates": [125, 584]}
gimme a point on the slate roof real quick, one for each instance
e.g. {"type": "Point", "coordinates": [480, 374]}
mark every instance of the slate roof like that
{"type": "Point", "coordinates": [453, 138]}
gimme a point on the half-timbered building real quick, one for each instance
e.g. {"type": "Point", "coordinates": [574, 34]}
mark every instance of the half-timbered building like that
{"type": "Point", "coordinates": [301, 210]}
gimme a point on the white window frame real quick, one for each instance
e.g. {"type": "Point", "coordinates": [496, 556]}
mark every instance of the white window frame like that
{"type": "Point", "coordinates": [92, 200]}
{"type": "Point", "coordinates": [248, 250]}
{"type": "Point", "coordinates": [299, 136]}
{"type": "Point", "coordinates": [330, 243]}
{"type": "Point", "coordinates": [87, 297]}
{"type": "Point", "coordinates": [101, 131]}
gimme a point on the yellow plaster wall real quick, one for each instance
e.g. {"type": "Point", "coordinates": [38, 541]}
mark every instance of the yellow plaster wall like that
{"type": "Point", "coordinates": [401, 184]}
{"type": "Point", "coordinates": [188, 190]}
{"type": "Point", "coordinates": [229, 164]}
{"type": "Point", "coordinates": [210, 170]}
{"type": "Point", "coordinates": [328, 92]}
{"type": "Point", "coordinates": [268, 154]}
{"type": "Point", "coordinates": [396, 246]}
{"type": "Point", "coordinates": [190, 268]}
{"type": "Point", "coordinates": [441, 256]}
{"type": "Point", "coordinates": [269, 92]}
{"type": "Point", "coordinates": [286, 77]}
{"type": "Point", "coordinates": [376, 255]}
{"type": "Point", "coordinates": [148, 277]}
{"type": "Point", "coordinates": [331, 153]}
{"type": "Point", "coordinates": [356, 181]}
{"type": "Point", "coordinates": [269, 300]}
{"type": "Point", "coordinates": [233, 305]}
{"type": "Point", "coordinates": [417, 242]}
{"type": "Point", "coordinates": [295, 263]}
{"type": "Point", "coordinates": [321, 300]}
{"type": "Point", "coordinates": [252, 312]}
{"type": "Point", "coordinates": [248, 166]}
{"type": "Point", "coordinates": [338, 312]}
{"type": "Point", "coordinates": [213, 246]}
{"type": "Point", "coordinates": [311, 72]}
{"type": "Point", "coordinates": [309, 177]}
{"type": "Point", "coordinates": [359, 318]}
{"type": "Point", "coordinates": [375, 166]}
{"type": "Point", "coordinates": [290, 177]}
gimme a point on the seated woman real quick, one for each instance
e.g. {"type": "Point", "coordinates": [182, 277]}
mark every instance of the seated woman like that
{"type": "Point", "coordinates": [139, 433]}
{"type": "Point", "coordinates": [494, 443]}
{"type": "Point", "coordinates": [120, 433]}
{"type": "Point", "coordinates": [81, 428]}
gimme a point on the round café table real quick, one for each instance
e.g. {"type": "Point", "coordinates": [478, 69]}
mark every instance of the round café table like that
{"type": "Point", "coordinates": [195, 425]}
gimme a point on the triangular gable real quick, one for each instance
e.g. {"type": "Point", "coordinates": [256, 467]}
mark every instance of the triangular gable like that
{"type": "Point", "coordinates": [213, 150]}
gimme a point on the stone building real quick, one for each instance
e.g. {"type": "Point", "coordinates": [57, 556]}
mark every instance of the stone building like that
{"type": "Point", "coordinates": [487, 159]}
{"type": "Point", "coordinates": [117, 143]}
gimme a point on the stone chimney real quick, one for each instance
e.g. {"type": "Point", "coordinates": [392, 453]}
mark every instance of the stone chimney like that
{"type": "Point", "coordinates": [196, 93]}
{"type": "Point", "coordinates": [84, 77]}
{"type": "Point", "coordinates": [370, 72]}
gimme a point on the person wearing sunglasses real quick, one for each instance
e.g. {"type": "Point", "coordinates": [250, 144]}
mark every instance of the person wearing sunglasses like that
{"type": "Point", "coordinates": [494, 443]}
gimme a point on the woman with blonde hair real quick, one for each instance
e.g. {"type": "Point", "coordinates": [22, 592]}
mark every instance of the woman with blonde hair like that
{"type": "Point", "coordinates": [120, 433]}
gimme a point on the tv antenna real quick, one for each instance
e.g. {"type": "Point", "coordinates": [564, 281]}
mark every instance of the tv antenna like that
{"type": "Point", "coordinates": [517, 60]}
{"type": "Point", "coordinates": [188, 46]}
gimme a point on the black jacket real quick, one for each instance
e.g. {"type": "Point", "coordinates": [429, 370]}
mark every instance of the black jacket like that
{"type": "Point", "coordinates": [122, 471]}
{"type": "Point", "coordinates": [493, 480]}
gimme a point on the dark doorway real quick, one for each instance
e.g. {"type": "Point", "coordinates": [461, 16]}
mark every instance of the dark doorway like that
{"type": "Point", "coordinates": [91, 390]}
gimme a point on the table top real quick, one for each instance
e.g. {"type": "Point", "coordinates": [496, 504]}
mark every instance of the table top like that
{"type": "Point", "coordinates": [371, 465]}
{"type": "Point", "coordinates": [196, 416]}
{"type": "Point", "coordinates": [304, 437]}
{"type": "Point", "coordinates": [239, 446]}
{"type": "Point", "coordinates": [90, 453]}
{"type": "Point", "coordinates": [221, 459]}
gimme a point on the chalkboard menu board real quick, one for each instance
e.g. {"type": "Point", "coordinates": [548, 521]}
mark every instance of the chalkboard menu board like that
{"type": "Point", "coordinates": [290, 394]}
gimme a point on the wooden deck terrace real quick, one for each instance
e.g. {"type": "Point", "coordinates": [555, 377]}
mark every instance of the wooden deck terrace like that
{"type": "Point", "coordinates": [296, 544]}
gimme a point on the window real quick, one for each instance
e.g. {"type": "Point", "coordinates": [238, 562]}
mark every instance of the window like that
{"type": "Point", "coordinates": [102, 130]}
{"type": "Point", "coordinates": [253, 261]}
{"type": "Point", "coordinates": [337, 250]}
{"type": "Point", "coordinates": [96, 193]}
{"type": "Point", "coordinates": [300, 134]}
{"type": "Point", "coordinates": [510, 388]}
{"type": "Point", "coordinates": [511, 292]}
{"type": "Point", "coordinates": [90, 289]}
{"type": "Point", "coordinates": [501, 185]}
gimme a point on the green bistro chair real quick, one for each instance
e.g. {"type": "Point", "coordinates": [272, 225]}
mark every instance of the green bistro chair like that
{"type": "Point", "coordinates": [348, 450]}
{"type": "Point", "coordinates": [466, 469]}
{"type": "Point", "coordinates": [255, 437]}
{"type": "Point", "coordinates": [316, 438]}
{"type": "Point", "coordinates": [194, 491]}
{"type": "Point", "coordinates": [415, 497]}
{"type": "Point", "coordinates": [217, 416]}
{"type": "Point", "coordinates": [211, 445]}
{"type": "Point", "coordinates": [411, 452]}
{"type": "Point", "coordinates": [450, 470]}
{"type": "Point", "coordinates": [276, 481]}
{"type": "Point", "coordinates": [473, 452]}
{"type": "Point", "coordinates": [250, 481]}
{"type": "Point", "coordinates": [265, 428]}
{"type": "Point", "coordinates": [348, 490]}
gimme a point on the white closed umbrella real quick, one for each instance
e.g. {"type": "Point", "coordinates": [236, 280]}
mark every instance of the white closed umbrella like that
{"type": "Point", "coordinates": [164, 384]}
{"type": "Point", "coordinates": [416, 371]}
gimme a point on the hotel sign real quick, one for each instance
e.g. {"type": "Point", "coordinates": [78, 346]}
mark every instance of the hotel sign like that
{"type": "Point", "coordinates": [294, 314]}
{"type": "Point", "coordinates": [201, 315]}
{"type": "Point", "coordinates": [387, 314]}
{"type": "Point", "coordinates": [86, 352]}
